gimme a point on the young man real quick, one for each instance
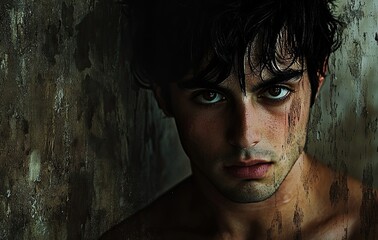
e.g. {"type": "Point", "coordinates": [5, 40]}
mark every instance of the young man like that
{"type": "Point", "coordinates": [239, 78]}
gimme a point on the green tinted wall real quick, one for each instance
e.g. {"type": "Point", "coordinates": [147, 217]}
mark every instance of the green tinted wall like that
{"type": "Point", "coordinates": [81, 147]}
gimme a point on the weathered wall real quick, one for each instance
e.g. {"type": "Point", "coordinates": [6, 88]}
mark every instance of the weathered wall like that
{"type": "Point", "coordinates": [81, 147]}
{"type": "Point", "coordinates": [345, 120]}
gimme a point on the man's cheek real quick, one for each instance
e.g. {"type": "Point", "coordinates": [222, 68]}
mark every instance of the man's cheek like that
{"type": "Point", "coordinates": [294, 115]}
{"type": "Point", "coordinates": [276, 130]}
{"type": "Point", "coordinates": [296, 120]}
{"type": "Point", "coordinates": [199, 137]}
{"type": "Point", "coordinates": [190, 133]}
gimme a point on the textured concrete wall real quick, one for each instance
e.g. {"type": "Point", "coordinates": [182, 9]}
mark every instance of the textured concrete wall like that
{"type": "Point", "coordinates": [345, 120]}
{"type": "Point", "coordinates": [81, 147]}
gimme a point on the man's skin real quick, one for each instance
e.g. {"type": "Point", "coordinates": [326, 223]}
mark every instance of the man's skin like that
{"type": "Point", "coordinates": [251, 177]}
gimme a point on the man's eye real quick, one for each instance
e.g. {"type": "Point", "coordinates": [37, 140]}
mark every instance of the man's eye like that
{"type": "Point", "coordinates": [276, 93]}
{"type": "Point", "coordinates": [209, 97]}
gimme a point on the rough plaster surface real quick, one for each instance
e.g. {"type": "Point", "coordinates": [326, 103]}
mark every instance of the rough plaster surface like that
{"type": "Point", "coordinates": [344, 124]}
{"type": "Point", "coordinates": [81, 147]}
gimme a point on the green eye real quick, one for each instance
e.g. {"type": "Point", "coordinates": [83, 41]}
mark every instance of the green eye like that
{"type": "Point", "coordinates": [209, 97]}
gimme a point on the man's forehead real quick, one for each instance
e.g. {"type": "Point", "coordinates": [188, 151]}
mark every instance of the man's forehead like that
{"type": "Point", "coordinates": [253, 76]}
{"type": "Point", "coordinates": [279, 67]}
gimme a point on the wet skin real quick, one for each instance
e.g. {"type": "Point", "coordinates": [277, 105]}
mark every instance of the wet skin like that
{"type": "Point", "coordinates": [251, 178]}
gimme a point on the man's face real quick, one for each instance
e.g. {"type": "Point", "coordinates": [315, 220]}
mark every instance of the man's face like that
{"type": "Point", "coordinates": [244, 144]}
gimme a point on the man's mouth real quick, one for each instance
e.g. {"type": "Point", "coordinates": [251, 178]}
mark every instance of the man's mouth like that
{"type": "Point", "coordinates": [256, 169]}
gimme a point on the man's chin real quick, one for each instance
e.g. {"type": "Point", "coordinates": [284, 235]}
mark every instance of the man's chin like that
{"type": "Point", "coordinates": [252, 193]}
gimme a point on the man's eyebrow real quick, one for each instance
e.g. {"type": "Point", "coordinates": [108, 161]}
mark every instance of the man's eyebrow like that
{"type": "Point", "coordinates": [194, 83]}
{"type": "Point", "coordinates": [278, 78]}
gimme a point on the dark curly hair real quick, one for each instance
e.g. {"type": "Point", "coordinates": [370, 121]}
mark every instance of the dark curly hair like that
{"type": "Point", "coordinates": [210, 38]}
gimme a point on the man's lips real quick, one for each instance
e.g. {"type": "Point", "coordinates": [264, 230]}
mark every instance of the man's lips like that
{"type": "Point", "coordinates": [255, 169]}
{"type": "Point", "coordinates": [243, 163]}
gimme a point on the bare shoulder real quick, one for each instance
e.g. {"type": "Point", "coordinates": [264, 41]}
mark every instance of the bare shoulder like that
{"type": "Point", "coordinates": [357, 206]}
{"type": "Point", "coordinates": [350, 206]}
{"type": "Point", "coordinates": [364, 206]}
{"type": "Point", "coordinates": [152, 221]}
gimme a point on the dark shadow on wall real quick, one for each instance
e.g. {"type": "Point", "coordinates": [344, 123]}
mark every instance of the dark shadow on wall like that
{"type": "Point", "coordinates": [82, 147]}
{"type": "Point", "coordinates": [125, 129]}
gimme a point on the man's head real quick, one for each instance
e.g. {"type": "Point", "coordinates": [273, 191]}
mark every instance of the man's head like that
{"type": "Point", "coordinates": [209, 39]}
{"type": "Point", "coordinates": [239, 78]}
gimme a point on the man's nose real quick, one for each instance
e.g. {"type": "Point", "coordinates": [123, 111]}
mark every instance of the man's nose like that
{"type": "Point", "coordinates": [244, 126]}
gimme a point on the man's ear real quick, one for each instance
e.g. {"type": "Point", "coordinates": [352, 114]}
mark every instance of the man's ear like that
{"type": "Point", "coordinates": [162, 101]}
{"type": "Point", "coordinates": [321, 79]}
{"type": "Point", "coordinates": [321, 76]}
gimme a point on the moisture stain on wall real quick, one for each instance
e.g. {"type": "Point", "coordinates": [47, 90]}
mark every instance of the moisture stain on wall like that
{"type": "Point", "coordinates": [16, 25]}
{"type": "Point", "coordinates": [84, 37]}
{"type": "Point", "coordinates": [70, 150]}
{"type": "Point", "coordinates": [352, 12]}
{"type": "Point", "coordinates": [82, 147]}
{"type": "Point", "coordinates": [68, 18]}
{"type": "Point", "coordinates": [355, 60]}
{"type": "Point", "coordinates": [51, 44]}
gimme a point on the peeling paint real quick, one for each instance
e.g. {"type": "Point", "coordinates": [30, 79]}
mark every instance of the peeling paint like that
{"type": "Point", "coordinates": [9, 211]}
{"type": "Point", "coordinates": [355, 60]}
{"type": "Point", "coordinates": [59, 100]}
{"type": "Point", "coordinates": [353, 12]}
{"type": "Point", "coordinates": [4, 64]}
{"type": "Point", "coordinates": [35, 166]}
{"type": "Point", "coordinates": [13, 127]}
{"type": "Point", "coordinates": [39, 225]}
{"type": "Point", "coordinates": [24, 71]}
{"type": "Point", "coordinates": [59, 95]}
{"type": "Point", "coordinates": [67, 99]}
{"type": "Point", "coordinates": [17, 21]}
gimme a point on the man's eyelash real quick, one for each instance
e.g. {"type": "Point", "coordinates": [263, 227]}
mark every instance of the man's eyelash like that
{"type": "Point", "coordinates": [276, 100]}
{"type": "Point", "coordinates": [200, 93]}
